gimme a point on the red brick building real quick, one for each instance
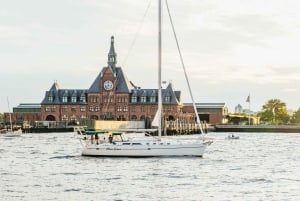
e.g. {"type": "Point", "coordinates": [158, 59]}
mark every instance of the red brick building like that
{"type": "Point", "coordinates": [24, 113]}
{"type": "Point", "coordinates": [212, 113]}
{"type": "Point", "coordinates": [110, 97]}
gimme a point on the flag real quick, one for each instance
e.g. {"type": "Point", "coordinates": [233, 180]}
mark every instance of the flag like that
{"type": "Point", "coordinates": [248, 99]}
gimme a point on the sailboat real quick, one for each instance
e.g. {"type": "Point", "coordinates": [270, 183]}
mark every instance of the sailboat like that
{"type": "Point", "coordinates": [11, 132]}
{"type": "Point", "coordinates": [118, 145]}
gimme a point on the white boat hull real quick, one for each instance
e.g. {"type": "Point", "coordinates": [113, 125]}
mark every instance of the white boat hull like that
{"type": "Point", "coordinates": [11, 135]}
{"type": "Point", "coordinates": [144, 150]}
{"type": "Point", "coordinates": [17, 133]}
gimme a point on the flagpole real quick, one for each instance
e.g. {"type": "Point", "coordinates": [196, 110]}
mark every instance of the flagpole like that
{"type": "Point", "coordinates": [249, 113]}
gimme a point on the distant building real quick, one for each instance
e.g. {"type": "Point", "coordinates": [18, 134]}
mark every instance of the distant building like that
{"type": "Point", "coordinates": [212, 113]}
{"type": "Point", "coordinates": [29, 112]}
{"type": "Point", "coordinates": [238, 109]}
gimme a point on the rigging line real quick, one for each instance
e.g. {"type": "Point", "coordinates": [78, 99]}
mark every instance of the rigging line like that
{"type": "Point", "coordinates": [136, 34]}
{"type": "Point", "coordinates": [184, 69]}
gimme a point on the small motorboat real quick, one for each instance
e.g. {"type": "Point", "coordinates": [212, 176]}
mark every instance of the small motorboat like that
{"type": "Point", "coordinates": [233, 137]}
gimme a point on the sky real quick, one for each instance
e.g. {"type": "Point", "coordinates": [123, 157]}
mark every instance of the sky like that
{"type": "Point", "coordinates": [231, 49]}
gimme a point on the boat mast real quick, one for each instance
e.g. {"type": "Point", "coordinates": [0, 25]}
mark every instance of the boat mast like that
{"type": "Point", "coordinates": [159, 71]}
{"type": "Point", "coordinates": [10, 121]}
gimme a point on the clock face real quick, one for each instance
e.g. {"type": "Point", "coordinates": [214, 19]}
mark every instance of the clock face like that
{"type": "Point", "coordinates": [108, 85]}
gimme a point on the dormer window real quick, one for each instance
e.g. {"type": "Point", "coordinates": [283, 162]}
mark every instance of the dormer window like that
{"type": "Point", "coordinates": [134, 99]}
{"type": "Point", "coordinates": [82, 99]}
{"type": "Point", "coordinates": [74, 99]}
{"type": "Point", "coordinates": [50, 98]}
{"type": "Point", "coordinates": [65, 99]}
{"type": "Point", "coordinates": [152, 99]}
{"type": "Point", "coordinates": [168, 99]}
{"type": "Point", "coordinates": [143, 99]}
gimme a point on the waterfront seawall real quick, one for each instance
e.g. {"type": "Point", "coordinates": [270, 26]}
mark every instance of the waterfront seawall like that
{"type": "Point", "coordinates": [258, 128]}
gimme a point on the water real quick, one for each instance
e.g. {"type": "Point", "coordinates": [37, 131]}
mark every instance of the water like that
{"type": "Point", "coordinates": [258, 166]}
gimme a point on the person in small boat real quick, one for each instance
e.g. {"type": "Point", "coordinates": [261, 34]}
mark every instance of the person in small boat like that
{"type": "Point", "coordinates": [97, 138]}
{"type": "Point", "coordinates": [110, 138]}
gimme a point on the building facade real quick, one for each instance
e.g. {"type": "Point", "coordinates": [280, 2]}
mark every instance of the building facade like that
{"type": "Point", "coordinates": [212, 113]}
{"type": "Point", "coordinates": [26, 113]}
{"type": "Point", "coordinates": [112, 96]}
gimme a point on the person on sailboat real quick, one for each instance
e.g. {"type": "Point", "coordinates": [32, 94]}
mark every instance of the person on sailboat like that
{"type": "Point", "coordinates": [110, 138]}
{"type": "Point", "coordinates": [97, 138]}
{"type": "Point", "coordinates": [92, 139]}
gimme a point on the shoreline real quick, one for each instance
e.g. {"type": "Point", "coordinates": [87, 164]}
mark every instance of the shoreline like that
{"type": "Point", "coordinates": [258, 128]}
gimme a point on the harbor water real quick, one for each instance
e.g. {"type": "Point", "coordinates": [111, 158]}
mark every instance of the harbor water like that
{"type": "Point", "coordinates": [257, 166]}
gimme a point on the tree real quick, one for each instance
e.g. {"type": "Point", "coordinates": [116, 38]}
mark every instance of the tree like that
{"type": "Point", "coordinates": [296, 117]}
{"type": "Point", "coordinates": [1, 117]}
{"type": "Point", "coordinates": [1, 120]}
{"type": "Point", "coordinates": [275, 112]}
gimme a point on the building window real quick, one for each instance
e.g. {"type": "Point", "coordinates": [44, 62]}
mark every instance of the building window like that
{"type": "Point", "coordinates": [142, 108]}
{"type": "Point", "coordinates": [74, 99]}
{"type": "Point", "coordinates": [64, 118]}
{"type": "Point", "coordinates": [50, 98]}
{"type": "Point", "coordinates": [64, 99]}
{"type": "Point", "coordinates": [53, 109]}
{"type": "Point", "coordinates": [82, 109]}
{"type": "Point", "coordinates": [73, 109]}
{"type": "Point", "coordinates": [133, 109]}
{"type": "Point", "coordinates": [47, 109]}
{"type": "Point", "coordinates": [133, 99]}
{"type": "Point", "coordinates": [153, 109]}
{"type": "Point", "coordinates": [91, 109]}
{"type": "Point", "coordinates": [64, 108]}
{"type": "Point", "coordinates": [94, 99]}
{"type": "Point", "coordinates": [168, 99]}
{"type": "Point", "coordinates": [97, 109]}
{"type": "Point", "coordinates": [73, 118]}
{"type": "Point", "coordinates": [143, 99]}
{"type": "Point", "coordinates": [133, 117]}
{"type": "Point", "coordinates": [152, 99]}
{"type": "Point", "coordinates": [82, 99]}
{"type": "Point", "coordinates": [108, 99]}
{"type": "Point", "coordinates": [122, 99]}
{"type": "Point", "coordinates": [125, 109]}
{"type": "Point", "coordinates": [119, 109]}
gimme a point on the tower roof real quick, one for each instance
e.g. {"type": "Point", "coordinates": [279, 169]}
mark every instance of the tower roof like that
{"type": "Point", "coordinates": [55, 86]}
{"type": "Point", "coordinates": [112, 55]}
